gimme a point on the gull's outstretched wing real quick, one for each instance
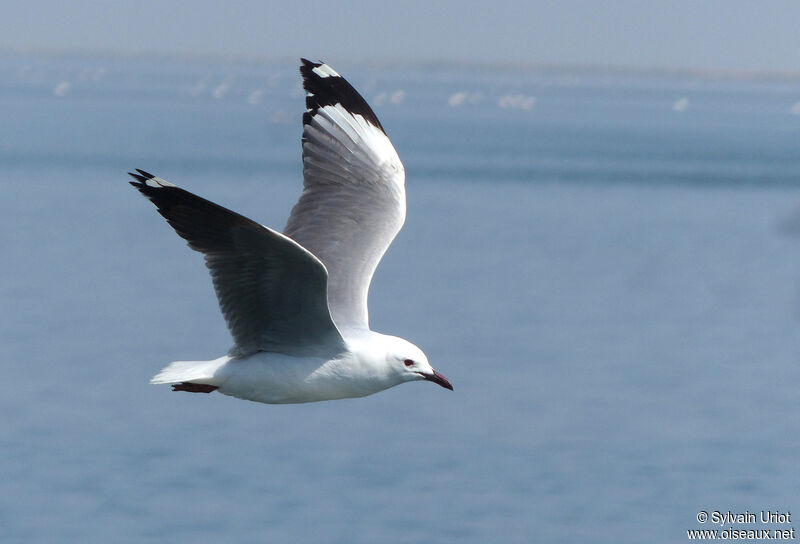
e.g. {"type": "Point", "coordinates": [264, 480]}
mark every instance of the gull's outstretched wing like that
{"type": "Point", "coordinates": [353, 202]}
{"type": "Point", "coordinates": [271, 290]}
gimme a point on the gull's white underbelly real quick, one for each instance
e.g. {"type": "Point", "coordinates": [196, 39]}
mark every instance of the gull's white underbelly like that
{"type": "Point", "coordinates": [275, 378]}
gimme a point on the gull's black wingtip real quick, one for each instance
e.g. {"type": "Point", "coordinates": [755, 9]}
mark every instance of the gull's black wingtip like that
{"type": "Point", "coordinates": [326, 87]}
{"type": "Point", "coordinates": [140, 180]}
{"type": "Point", "coordinates": [144, 184]}
{"type": "Point", "coordinates": [307, 67]}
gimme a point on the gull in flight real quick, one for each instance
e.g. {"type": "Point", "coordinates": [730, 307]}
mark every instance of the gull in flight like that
{"type": "Point", "coordinates": [296, 303]}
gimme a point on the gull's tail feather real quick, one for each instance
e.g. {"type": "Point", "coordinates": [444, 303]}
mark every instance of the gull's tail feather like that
{"type": "Point", "coordinates": [191, 374]}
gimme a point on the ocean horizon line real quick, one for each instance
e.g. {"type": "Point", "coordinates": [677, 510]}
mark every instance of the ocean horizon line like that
{"type": "Point", "coordinates": [530, 67]}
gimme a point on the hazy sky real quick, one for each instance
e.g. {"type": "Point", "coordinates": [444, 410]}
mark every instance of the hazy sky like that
{"type": "Point", "coordinates": [724, 34]}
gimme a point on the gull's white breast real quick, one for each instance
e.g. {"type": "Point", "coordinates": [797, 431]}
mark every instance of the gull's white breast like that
{"type": "Point", "coordinates": [276, 378]}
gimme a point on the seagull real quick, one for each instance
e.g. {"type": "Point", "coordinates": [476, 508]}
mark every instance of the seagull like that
{"type": "Point", "coordinates": [296, 302]}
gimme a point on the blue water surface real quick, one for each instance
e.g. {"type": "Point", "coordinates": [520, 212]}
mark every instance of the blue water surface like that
{"type": "Point", "coordinates": [612, 286]}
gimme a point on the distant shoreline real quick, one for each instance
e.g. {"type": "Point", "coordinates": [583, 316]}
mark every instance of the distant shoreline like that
{"type": "Point", "coordinates": [543, 68]}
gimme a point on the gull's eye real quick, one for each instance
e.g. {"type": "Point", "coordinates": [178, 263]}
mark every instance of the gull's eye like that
{"type": "Point", "coordinates": [408, 362]}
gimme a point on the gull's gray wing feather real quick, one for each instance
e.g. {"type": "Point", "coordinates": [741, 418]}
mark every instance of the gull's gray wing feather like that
{"type": "Point", "coordinates": [353, 202]}
{"type": "Point", "coordinates": [271, 290]}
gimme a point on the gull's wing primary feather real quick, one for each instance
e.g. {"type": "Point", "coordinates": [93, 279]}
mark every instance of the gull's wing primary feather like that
{"type": "Point", "coordinates": [271, 290]}
{"type": "Point", "coordinates": [353, 202]}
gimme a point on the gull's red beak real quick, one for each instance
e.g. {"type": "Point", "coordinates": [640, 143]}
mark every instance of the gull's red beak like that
{"type": "Point", "coordinates": [438, 378]}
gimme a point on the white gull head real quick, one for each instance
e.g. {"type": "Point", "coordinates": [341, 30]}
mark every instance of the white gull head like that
{"type": "Point", "coordinates": [397, 359]}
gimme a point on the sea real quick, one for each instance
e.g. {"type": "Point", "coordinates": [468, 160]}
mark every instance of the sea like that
{"type": "Point", "coordinates": [605, 264]}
